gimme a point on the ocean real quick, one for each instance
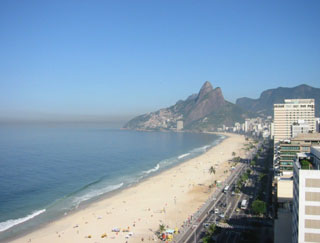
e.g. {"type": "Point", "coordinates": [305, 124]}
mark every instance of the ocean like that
{"type": "Point", "coordinates": [47, 171]}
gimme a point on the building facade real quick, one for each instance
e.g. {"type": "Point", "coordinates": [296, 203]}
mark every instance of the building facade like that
{"type": "Point", "coordinates": [306, 197]}
{"type": "Point", "coordinates": [291, 112]}
{"type": "Point", "coordinates": [300, 127]}
{"type": "Point", "coordinates": [288, 149]}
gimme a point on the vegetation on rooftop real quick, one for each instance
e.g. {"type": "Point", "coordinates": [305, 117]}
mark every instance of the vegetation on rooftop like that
{"type": "Point", "coordinates": [306, 164]}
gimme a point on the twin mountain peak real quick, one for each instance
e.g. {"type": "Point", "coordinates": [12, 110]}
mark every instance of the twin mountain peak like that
{"type": "Point", "coordinates": [208, 110]}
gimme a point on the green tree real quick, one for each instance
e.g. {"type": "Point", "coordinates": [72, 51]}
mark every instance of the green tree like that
{"type": "Point", "coordinates": [233, 154]}
{"type": "Point", "coordinates": [212, 170]}
{"type": "Point", "coordinates": [253, 163]}
{"type": "Point", "coordinates": [210, 233]}
{"type": "Point", "coordinates": [259, 207]}
{"type": "Point", "coordinates": [212, 228]}
{"type": "Point", "coordinates": [208, 239]}
{"type": "Point", "coordinates": [162, 228]}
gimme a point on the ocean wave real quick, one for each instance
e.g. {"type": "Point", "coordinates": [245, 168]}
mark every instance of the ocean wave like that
{"type": "Point", "coordinates": [183, 155]}
{"type": "Point", "coordinates": [12, 222]}
{"type": "Point", "coordinates": [95, 193]}
{"type": "Point", "coordinates": [157, 167]}
{"type": "Point", "coordinates": [201, 149]}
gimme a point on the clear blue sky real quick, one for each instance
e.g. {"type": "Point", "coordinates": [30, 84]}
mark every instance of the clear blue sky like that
{"type": "Point", "coordinates": [121, 58]}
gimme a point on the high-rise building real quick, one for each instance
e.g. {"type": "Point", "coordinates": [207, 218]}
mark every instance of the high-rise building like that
{"type": "Point", "coordinates": [293, 110]}
{"type": "Point", "coordinates": [306, 197]}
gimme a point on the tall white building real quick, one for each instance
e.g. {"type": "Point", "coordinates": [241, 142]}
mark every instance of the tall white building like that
{"type": "Point", "coordinates": [300, 127]}
{"type": "Point", "coordinates": [179, 125]}
{"type": "Point", "coordinates": [290, 112]}
{"type": "Point", "coordinates": [306, 197]}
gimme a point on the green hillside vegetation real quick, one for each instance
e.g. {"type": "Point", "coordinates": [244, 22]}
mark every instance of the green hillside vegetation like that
{"type": "Point", "coordinates": [227, 115]}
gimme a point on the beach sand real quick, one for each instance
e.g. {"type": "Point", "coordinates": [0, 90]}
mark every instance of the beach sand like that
{"type": "Point", "coordinates": [168, 198]}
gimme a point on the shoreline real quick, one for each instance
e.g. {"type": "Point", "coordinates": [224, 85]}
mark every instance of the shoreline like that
{"type": "Point", "coordinates": [113, 205]}
{"type": "Point", "coordinates": [114, 192]}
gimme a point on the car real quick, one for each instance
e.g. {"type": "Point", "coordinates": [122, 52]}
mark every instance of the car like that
{"type": "Point", "coordinates": [233, 193]}
{"type": "Point", "coordinates": [216, 210]}
{"type": "Point", "coordinates": [221, 215]}
{"type": "Point", "coordinates": [206, 225]}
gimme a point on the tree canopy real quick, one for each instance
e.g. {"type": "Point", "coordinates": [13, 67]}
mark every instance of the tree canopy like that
{"type": "Point", "coordinates": [259, 207]}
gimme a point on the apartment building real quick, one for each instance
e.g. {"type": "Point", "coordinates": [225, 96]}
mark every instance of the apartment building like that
{"type": "Point", "coordinates": [306, 197]}
{"type": "Point", "coordinates": [287, 150]}
{"type": "Point", "coordinates": [293, 110]}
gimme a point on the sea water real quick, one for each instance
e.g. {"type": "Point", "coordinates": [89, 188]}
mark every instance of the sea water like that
{"type": "Point", "coordinates": [47, 171]}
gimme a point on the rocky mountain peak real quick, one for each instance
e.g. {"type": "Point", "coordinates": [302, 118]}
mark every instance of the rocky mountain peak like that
{"type": "Point", "coordinates": [204, 109]}
{"type": "Point", "coordinates": [208, 100]}
{"type": "Point", "coordinates": [205, 89]}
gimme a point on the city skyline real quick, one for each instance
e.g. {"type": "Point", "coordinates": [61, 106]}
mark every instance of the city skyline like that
{"type": "Point", "coordinates": [120, 59]}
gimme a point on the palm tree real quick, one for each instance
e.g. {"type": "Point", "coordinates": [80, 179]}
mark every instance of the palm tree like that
{"type": "Point", "coordinates": [212, 170]}
{"type": "Point", "coordinates": [162, 228]}
{"type": "Point", "coordinates": [233, 154]}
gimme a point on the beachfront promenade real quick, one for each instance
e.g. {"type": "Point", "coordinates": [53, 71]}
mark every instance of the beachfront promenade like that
{"type": "Point", "coordinates": [190, 230]}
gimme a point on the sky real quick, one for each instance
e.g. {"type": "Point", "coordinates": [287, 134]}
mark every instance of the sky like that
{"type": "Point", "coordinates": [117, 59]}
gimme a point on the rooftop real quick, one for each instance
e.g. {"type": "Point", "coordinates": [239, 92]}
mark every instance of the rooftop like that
{"type": "Point", "coordinates": [285, 189]}
{"type": "Point", "coordinates": [307, 136]}
{"type": "Point", "coordinates": [298, 101]}
{"type": "Point", "coordinates": [305, 162]}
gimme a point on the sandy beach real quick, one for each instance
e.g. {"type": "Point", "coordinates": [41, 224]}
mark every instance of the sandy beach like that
{"type": "Point", "coordinates": [168, 198]}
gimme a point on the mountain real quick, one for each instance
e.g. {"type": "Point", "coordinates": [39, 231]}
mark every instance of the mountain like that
{"type": "Point", "coordinates": [206, 110]}
{"type": "Point", "coordinates": [264, 104]}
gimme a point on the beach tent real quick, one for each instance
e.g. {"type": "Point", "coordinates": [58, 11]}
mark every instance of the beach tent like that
{"type": "Point", "coordinates": [116, 230]}
{"type": "Point", "coordinates": [169, 231]}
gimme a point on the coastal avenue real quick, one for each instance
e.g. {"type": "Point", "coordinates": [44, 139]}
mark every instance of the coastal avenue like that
{"type": "Point", "coordinates": [224, 202]}
{"type": "Point", "coordinates": [195, 229]}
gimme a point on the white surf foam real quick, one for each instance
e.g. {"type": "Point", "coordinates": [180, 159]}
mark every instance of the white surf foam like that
{"type": "Point", "coordinates": [183, 155]}
{"type": "Point", "coordinates": [12, 222]}
{"type": "Point", "coordinates": [157, 167]}
{"type": "Point", "coordinates": [94, 193]}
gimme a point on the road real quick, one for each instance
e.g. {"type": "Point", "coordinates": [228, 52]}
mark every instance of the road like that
{"type": "Point", "coordinates": [221, 201]}
{"type": "Point", "coordinates": [226, 203]}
